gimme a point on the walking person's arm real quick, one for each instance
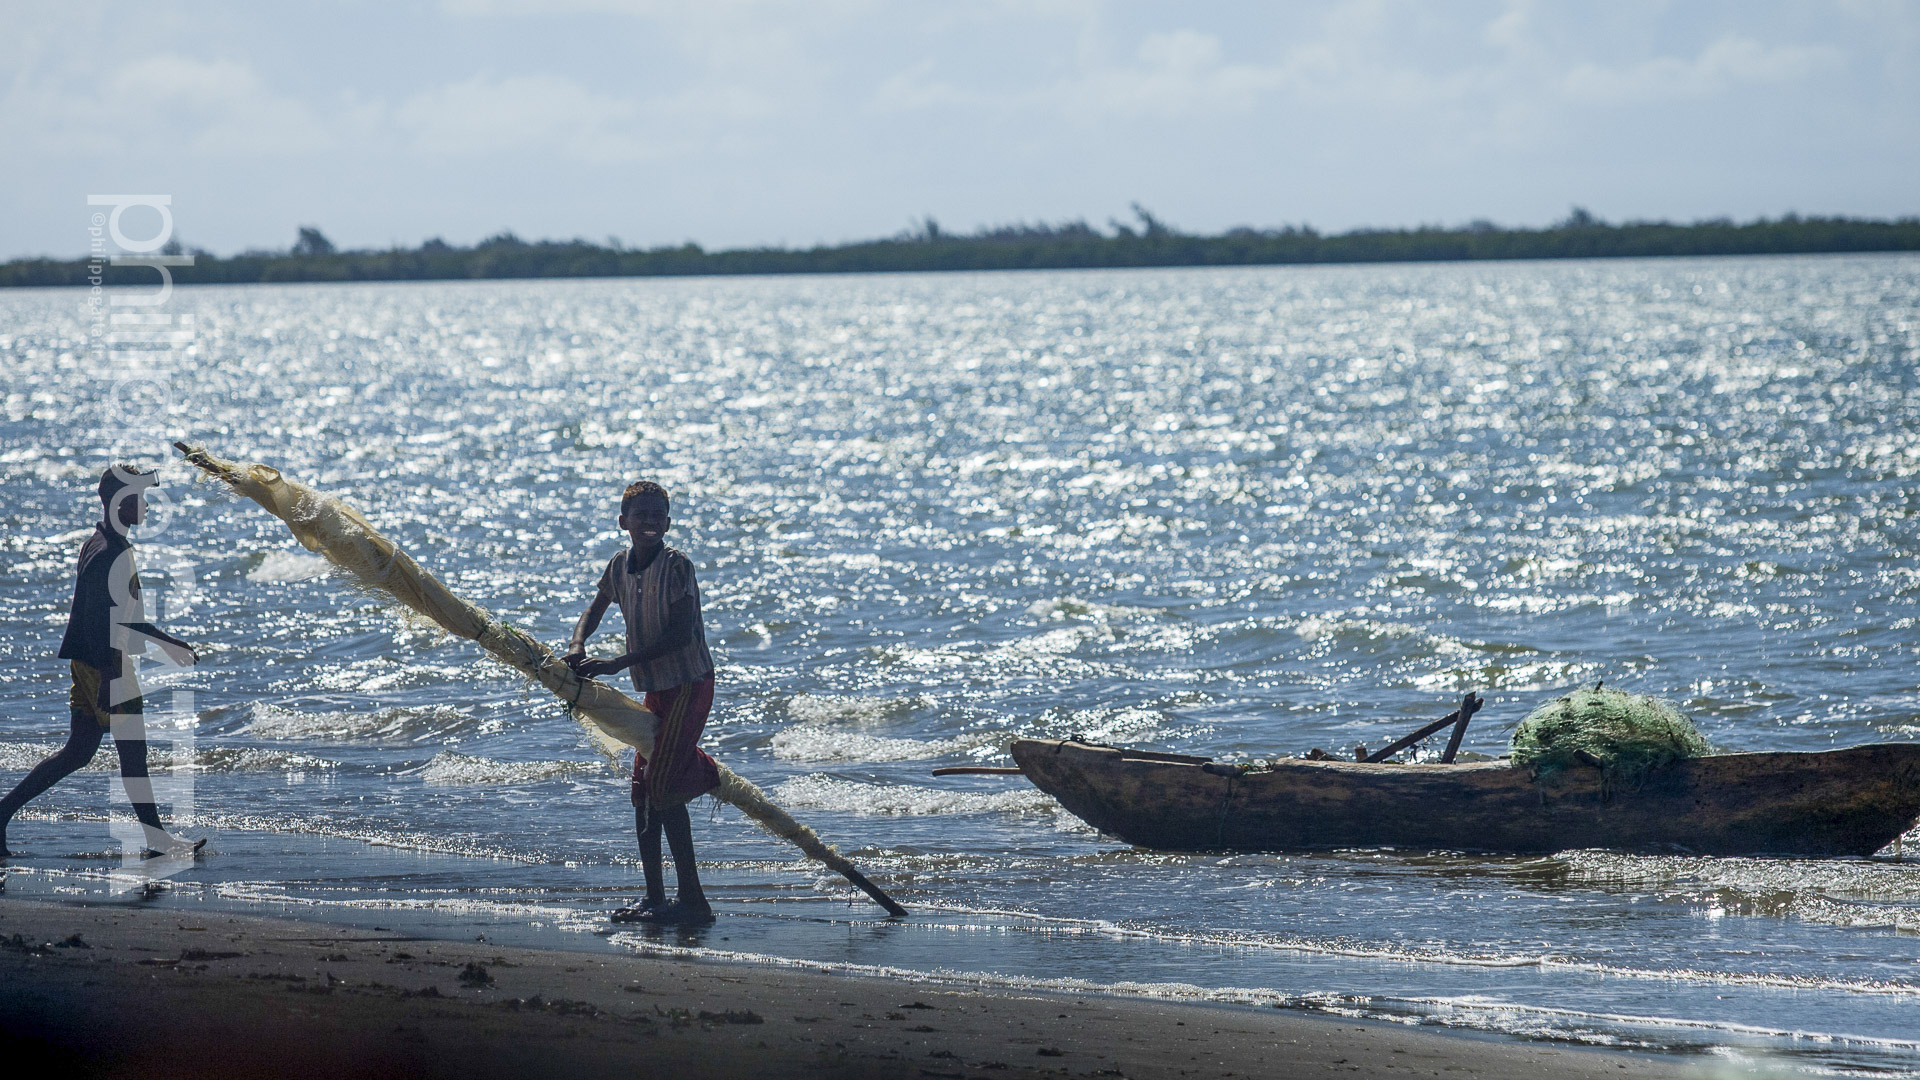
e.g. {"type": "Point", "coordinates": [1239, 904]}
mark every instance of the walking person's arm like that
{"type": "Point", "coordinates": [176, 650]}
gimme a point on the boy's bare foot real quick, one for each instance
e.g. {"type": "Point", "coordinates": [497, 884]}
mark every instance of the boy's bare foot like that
{"type": "Point", "coordinates": [642, 912]}
{"type": "Point", "coordinates": [679, 914]}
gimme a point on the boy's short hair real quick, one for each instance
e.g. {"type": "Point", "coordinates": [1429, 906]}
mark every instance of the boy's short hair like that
{"type": "Point", "coordinates": [645, 489]}
{"type": "Point", "coordinates": [120, 477]}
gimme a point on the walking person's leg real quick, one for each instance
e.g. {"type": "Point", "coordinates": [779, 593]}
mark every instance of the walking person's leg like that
{"type": "Point", "coordinates": [129, 741]}
{"type": "Point", "coordinates": [124, 707]}
{"type": "Point", "coordinates": [83, 741]}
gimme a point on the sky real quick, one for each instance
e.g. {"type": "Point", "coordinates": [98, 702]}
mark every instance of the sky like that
{"type": "Point", "coordinates": [736, 123]}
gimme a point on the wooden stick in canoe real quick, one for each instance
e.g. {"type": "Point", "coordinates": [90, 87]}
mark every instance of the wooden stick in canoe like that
{"type": "Point", "coordinates": [1457, 718]}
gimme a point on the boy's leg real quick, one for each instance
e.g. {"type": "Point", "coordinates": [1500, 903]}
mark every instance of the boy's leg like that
{"type": "Point", "coordinates": [647, 827]}
{"type": "Point", "coordinates": [673, 773]}
{"type": "Point", "coordinates": [678, 826]}
{"type": "Point", "coordinates": [83, 740]}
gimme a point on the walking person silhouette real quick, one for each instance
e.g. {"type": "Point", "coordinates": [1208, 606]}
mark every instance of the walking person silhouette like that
{"type": "Point", "coordinates": [106, 629]}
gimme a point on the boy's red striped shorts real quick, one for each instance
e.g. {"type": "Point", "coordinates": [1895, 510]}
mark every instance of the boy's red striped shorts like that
{"type": "Point", "coordinates": [679, 770]}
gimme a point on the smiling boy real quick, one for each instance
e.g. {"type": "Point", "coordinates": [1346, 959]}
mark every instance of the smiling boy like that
{"type": "Point", "coordinates": [668, 660]}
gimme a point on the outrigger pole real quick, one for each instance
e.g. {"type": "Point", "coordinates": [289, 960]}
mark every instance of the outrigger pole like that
{"type": "Point", "coordinates": [324, 524]}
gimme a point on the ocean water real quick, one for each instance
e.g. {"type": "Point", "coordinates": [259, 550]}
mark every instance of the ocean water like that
{"type": "Point", "coordinates": [1239, 513]}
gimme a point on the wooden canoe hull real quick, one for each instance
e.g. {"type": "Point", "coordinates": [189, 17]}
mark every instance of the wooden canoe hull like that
{"type": "Point", "coordinates": [1836, 802]}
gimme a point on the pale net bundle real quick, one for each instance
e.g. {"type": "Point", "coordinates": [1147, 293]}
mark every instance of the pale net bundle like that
{"type": "Point", "coordinates": [324, 524]}
{"type": "Point", "coordinates": [1625, 734]}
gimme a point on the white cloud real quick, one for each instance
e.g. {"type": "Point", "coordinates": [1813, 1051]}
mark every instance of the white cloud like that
{"type": "Point", "coordinates": [519, 115]}
{"type": "Point", "coordinates": [1179, 73]}
{"type": "Point", "coordinates": [1173, 74]}
{"type": "Point", "coordinates": [1512, 29]}
{"type": "Point", "coordinates": [159, 105]}
{"type": "Point", "coordinates": [918, 88]}
{"type": "Point", "coordinates": [170, 79]}
{"type": "Point", "coordinates": [1724, 65]}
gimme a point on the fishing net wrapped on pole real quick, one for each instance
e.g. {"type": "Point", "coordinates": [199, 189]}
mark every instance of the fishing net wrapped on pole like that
{"type": "Point", "coordinates": [324, 524]}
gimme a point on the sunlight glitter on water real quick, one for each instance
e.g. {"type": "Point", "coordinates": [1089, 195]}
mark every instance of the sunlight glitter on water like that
{"type": "Point", "coordinates": [1232, 513]}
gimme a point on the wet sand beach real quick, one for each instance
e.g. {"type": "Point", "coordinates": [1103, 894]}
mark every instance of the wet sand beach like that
{"type": "Point", "coordinates": [122, 990]}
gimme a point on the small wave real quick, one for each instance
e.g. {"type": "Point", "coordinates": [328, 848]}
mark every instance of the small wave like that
{"type": "Point", "coordinates": [1107, 929]}
{"type": "Point", "coordinates": [396, 724]}
{"type": "Point", "coordinates": [236, 759]}
{"type": "Point", "coordinates": [821, 733]}
{"type": "Point", "coordinates": [1057, 925]}
{"type": "Point", "coordinates": [19, 757]}
{"type": "Point", "coordinates": [383, 674]}
{"type": "Point", "coordinates": [270, 892]}
{"type": "Point", "coordinates": [812, 743]}
{"type": "Point", "coordinates": [825, 744]}
{"type": "Point", "coordinates": [377, 834]}
{"type": "Point", "coordinates": [1470, 1012]}
{"type": "Point", "coordinates": [818, 792]}
{"type": "Point", "coordinates": [1111, 724]}
{"type": "Point", "coordinates": [1047, 653]}
{"type": "Point", "coordinates": [1883, 881]}
{"type": "Point", "coordinates": [288, 566]}
{"type": "Point", "coordinates": [1072, 607]}
{"type": "Point", "coordinates": [450, 767]}
{"type": "Point", "coordinates": [1379, 638]}
{"type": "Point", "coordinates": [839, 709]}
{"type": "Point", "coordinates": [1848, 893]}
{"type": "Point", "coordinates": [1059, 642]}
{"type": "Point", "coordinates": [1324, 627]}
{"type": "Point", "coordinates": [1494, 674]}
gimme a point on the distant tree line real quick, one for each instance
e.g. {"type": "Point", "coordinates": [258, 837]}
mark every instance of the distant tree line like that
{"type": "Point", "coordinates": [1146, 241]}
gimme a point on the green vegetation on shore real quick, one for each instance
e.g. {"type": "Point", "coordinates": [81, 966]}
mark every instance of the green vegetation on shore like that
{"type": "Point", "coordinates": [1070, 245]}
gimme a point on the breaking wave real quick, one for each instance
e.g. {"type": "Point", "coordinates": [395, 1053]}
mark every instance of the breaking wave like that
{"type": "Point", "coordinates": [1594, 1028]}
{"type": "Point", "coordinates": [390, 725]}
{"type": "Point", "coordinates": [826, 744]}
{"type": "Point", "coordinates": [19, 757]}
{"type": "Point", "coordinates": [817, 792]}
{"type": "Point", "coordinates": [850, 709]}
{"type": "Point", "coordinates": [278, 566]}
{"type": "Point", "coordinates": [450, 767]}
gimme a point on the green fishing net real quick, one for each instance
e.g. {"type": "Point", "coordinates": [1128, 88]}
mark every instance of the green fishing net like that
{"type": "Point", "coordinates": [1626, 734]}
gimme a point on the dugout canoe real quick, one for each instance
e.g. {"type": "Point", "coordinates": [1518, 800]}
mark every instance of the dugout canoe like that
{"type": "Point", "coordinates": [1830, 803]}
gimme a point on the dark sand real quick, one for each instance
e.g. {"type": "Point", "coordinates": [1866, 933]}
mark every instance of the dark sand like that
{"type": "Point", "coordinates": [155, 993]}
